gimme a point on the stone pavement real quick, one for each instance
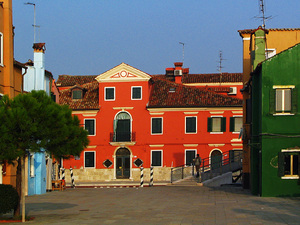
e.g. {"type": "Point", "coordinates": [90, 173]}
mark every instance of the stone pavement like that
{"type": "Point", "coordinates": [160, 205]}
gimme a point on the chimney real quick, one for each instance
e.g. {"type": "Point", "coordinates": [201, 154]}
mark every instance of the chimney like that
{"type": "Point", "coordinates": [178, 72]}
{"type": "Point", "coordinates": [260, 46]}
{"type": "Point", "coordinates": [39, 65]}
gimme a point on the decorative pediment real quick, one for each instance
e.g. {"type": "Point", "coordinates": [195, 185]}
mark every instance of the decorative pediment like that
{"type": "Point", "coordinates": [123, 73]}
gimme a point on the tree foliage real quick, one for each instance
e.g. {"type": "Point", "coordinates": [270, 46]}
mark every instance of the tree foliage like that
{"type": "Point", "coordinates": [33, 122]}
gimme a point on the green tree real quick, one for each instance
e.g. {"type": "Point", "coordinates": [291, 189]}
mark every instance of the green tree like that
{"type": "Point", "coordinates": [33, 122]}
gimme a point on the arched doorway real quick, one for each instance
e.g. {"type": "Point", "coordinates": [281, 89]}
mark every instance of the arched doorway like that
{"type": "Point", "coordinates": [122, 127]}
{"type": "Point", "coordinates": [122, 163]}
{"type": "Point", "coordinates": [216, 159]}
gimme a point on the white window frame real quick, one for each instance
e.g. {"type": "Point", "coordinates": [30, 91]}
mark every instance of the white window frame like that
{"type": "Point", "coordinates": [31, 161]}
{"type": "Point", "coordinates": [94, 125]}
{"type": "Point", "coordinates": [94, 160]}
{"type": "Point", "coordinates": [237, 132]}
{"type": "Point", "coordinates": [1, 50]}
{"type": "Point", "coordinates": [291, 87]}
{"type": "Point", "coordinates": [132, 93]}
{"type": "Point", "coordinates": [270, 52]}
{"type": "Point", "coordinates": [288, 176]}
{"type": "Point", "coordinates": [105, 99]}
{"type": "Point", "coordinates": [185, 125]}
{"type": "Point", "coordinates": [195, 150]}
{"type": "Point", "coordinates": [161, 154]}
{"type": "Point", "coordinates": [162, 127]}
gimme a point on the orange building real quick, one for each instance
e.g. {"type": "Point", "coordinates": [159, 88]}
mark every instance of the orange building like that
{"type": "Point", "coordinates": [160, 120]}
{"type": "Point", "coordinates": [11, 77]}
{"type": "Point", "coordinates": [277, 40]}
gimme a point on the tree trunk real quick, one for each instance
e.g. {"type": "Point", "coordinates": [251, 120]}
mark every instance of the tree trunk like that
{"type": "Point", "coordinates": [19, 186]}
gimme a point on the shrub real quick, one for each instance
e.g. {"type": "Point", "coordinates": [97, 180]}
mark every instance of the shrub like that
{"type": "Point", "coordinates": [9, 198]}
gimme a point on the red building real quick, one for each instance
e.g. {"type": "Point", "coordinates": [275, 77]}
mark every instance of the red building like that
{"type": "Point", "coordinates": [163, 120]}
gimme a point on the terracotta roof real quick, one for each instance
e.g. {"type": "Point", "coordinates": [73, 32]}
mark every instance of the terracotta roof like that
{"type": "Point", "coordinates": [212, 78]}
{"type": "Point", "coordinates": [249, 31]}
{"type": "Point", "coordinates": [90, 98]}
{"type": "Point", "coordinates": [186, 96]}
{"type": "Point", "coordinates": [70, 80]}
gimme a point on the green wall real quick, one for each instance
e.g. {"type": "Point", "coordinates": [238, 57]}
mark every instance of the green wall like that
{"type": "Point", "coordinates": [282, 69]}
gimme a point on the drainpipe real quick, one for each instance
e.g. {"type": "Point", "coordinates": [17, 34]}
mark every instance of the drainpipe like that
{"type": "Point", "coordinates": [22, 88]}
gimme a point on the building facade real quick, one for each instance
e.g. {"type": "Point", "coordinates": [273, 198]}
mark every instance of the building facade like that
{"type": "Point", "coordinates": [11, 77]}
{"type": "Point", "coordinates": [275, 152]}
{"type": "Point", "coordinates": [277, 40]}
{"type": "Point", "coordinates": [135, 119]}
{"type": "Point", "coordinates": [38, 164]}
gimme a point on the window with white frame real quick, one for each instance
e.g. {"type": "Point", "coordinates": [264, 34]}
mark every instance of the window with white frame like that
{"type": "Point", "coordinates": [190, 155]}
{"type": "Point", "coordinates": [109, 93]}
{"type": "Point", "coordinates": [1, 49]}
{"type": "Point", "coordinates": [89, 159]}
{"type": "Point", "coordinates": [288, 163]}
{"type": "Point", "coordinates": [31, 161]}
{"type": "Point", "coordinates": [236, 123]}
{"type": "Point", "coordinates": [283, 100]}
{"type": "Point", "coordinates": [157, 125]}
{"type": "Point", "coordinates": [136, 93]}
{"type": "Point", "coordinates": [216, 124]}
{"type": "Point", "coordinates": [89, 125]}
{"type": "Point", "coordinates": [156, 158]}
{"type": "Point", "coordinates": [190, 124]}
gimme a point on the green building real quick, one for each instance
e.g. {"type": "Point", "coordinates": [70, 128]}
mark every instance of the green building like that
{"type": "Point", "coordinates": [275, 122]}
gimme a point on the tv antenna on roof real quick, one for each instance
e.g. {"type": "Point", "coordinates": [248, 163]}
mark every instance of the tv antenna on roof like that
{"type": "Point", "coordinates": [220, 62]}
{"type": "Point", "coordinates": [34, 21]}
{"type": "Point", "coordinates": [182, 51]}
{"type": "Point", "coordinates": [263, 17]}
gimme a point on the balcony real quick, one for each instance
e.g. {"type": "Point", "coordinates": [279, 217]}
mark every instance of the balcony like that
{"type": "Point", "coordinates": [122, 137]}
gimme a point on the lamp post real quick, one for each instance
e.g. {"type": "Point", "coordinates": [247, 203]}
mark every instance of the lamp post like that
{"type": "Point", "coordinates": [34, 25]}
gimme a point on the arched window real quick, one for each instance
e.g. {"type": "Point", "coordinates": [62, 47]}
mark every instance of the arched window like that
{"type": "Point", "coordinates": [122, 127]}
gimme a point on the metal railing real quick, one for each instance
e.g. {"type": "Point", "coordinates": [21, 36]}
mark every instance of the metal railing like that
{"type": "Point", "coordinates": [227, 163]}
{"type": "Point", "coordinates": [181, 172]}
{"type": "Point", "coordinates": [230, 161]}
{"type": "Point", "coordinates": [122, 136]}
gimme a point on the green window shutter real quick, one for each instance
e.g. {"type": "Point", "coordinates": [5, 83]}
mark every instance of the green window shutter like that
{"type": "Point", "coordinates": [232, 123]}
{"type": "Point", "coordinates": [223, 124]}
{"type": "Point", "coordinates": [280, 164]}
{"type": "Point", "coordinates": [209, 124]}
{"type": "Point", "coordinates": [294, 100]}
{"type": "Point", "coordinates": [272, 101]}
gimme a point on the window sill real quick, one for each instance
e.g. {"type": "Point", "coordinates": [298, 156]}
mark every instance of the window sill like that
{"type": "Point", "coordinates": [156, 133]}
{"type": "Point", "coordinates": [216, 132]}
{"type": "Point", "coordinates": [283, 114]}
{"type": "Point", "coordinates": [124, 143]}
{"type": "Point", "coordinates": [294, 177]}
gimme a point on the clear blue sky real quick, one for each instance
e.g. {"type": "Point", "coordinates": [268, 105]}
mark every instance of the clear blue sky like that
{"type": "Point", "coordinates": [89, 37]}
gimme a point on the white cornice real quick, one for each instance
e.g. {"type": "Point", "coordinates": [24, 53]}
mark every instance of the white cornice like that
{"type": "Point", "coordinates": [151, 110]}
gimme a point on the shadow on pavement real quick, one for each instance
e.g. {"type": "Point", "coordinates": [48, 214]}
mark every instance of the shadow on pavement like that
{"type": "Point", "coordinates": [47, 206]}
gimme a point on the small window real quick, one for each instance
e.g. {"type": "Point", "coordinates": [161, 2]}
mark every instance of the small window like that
{"type": "Point", "coordinates": [89, 159]}
{"type": "Point", "coordinates": [191, 125]}
{"type": "Point", "coordinates": [1, 49]}
{"type": "Point", "coordinates": [283, 100]}
{"type": "Point", "coordinates": [89, 125]}
{"type": "Point", "coordinates": [236, 123]}
{"type": "Point", "coordinates": [156, 126]}
{"type": "Point", "coordinates": [216, 124]}
{"type": "Point", "coordinates": [288, 164]}
{"type": "Point", "coordinates": [189, 156]}
{"type": "Point", "coordinates": [109, 93]}
{"type": "Point", "coordinates": [32, 173]}
{"type": "Point", "coordinates": [77, 94]}
{"type": "Point", "coordinates": [136, 93]}
{"type": "Point", "coordinates": [156, 158]}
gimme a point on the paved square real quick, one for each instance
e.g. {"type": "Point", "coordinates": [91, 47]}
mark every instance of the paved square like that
{"type": "Point", "coordinates": [161, 205]}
